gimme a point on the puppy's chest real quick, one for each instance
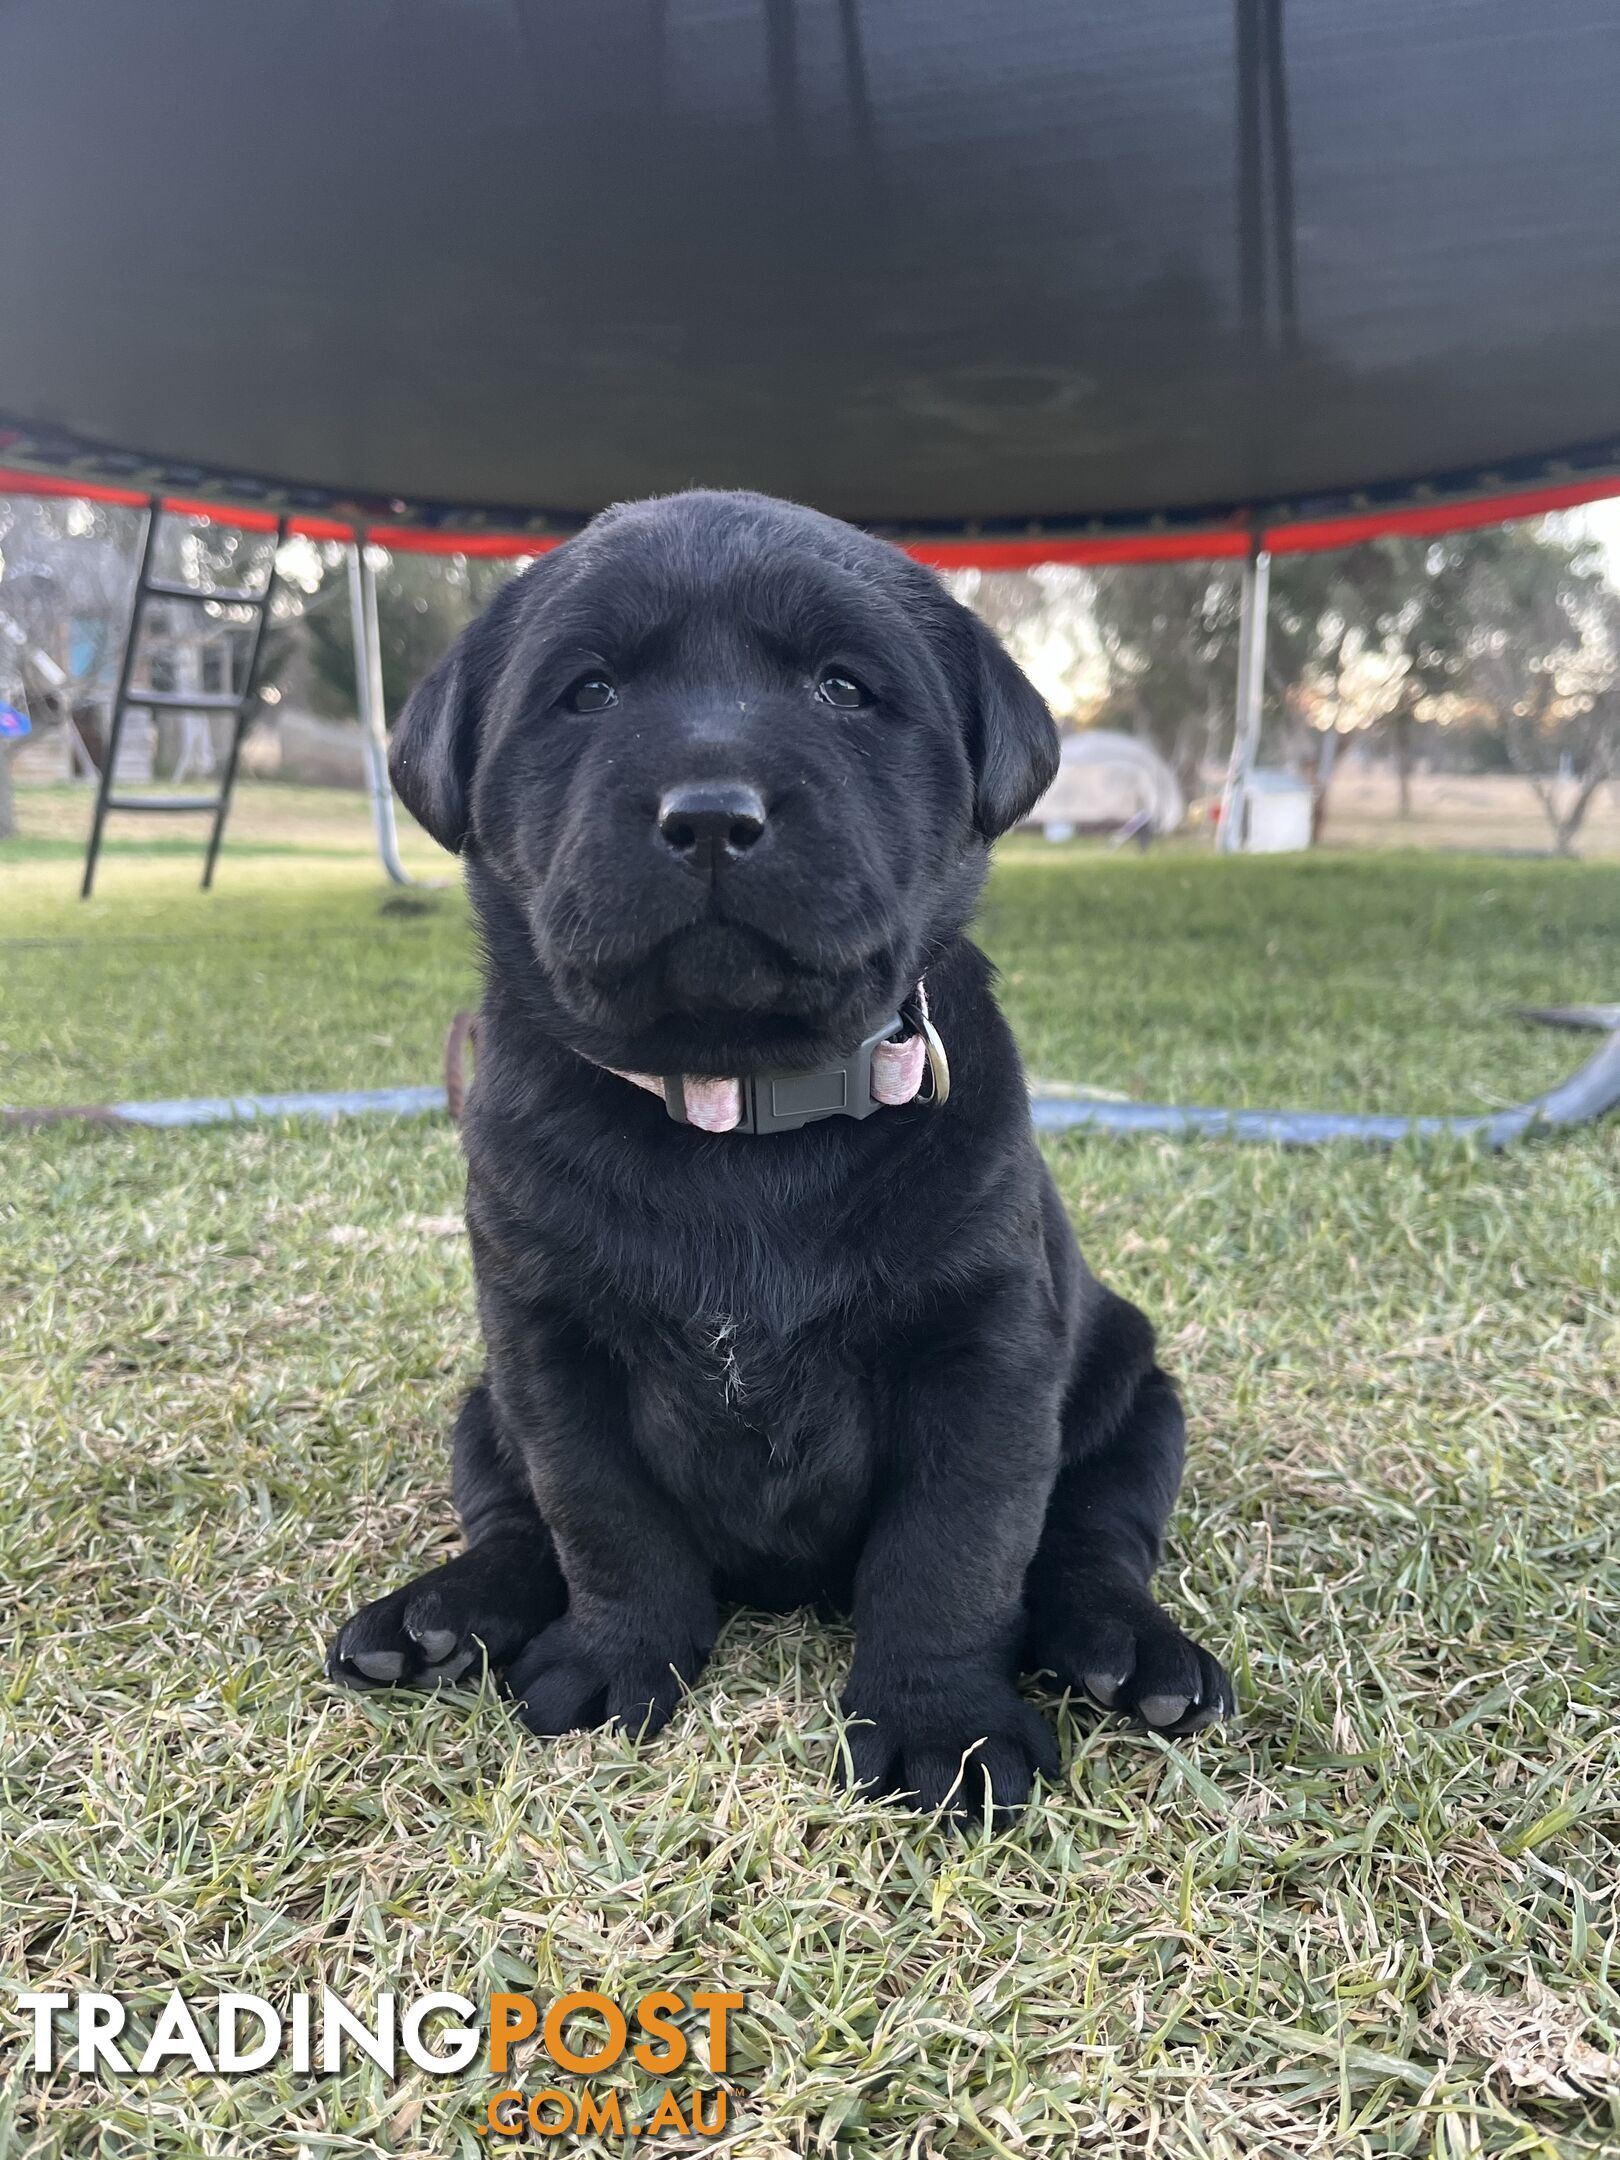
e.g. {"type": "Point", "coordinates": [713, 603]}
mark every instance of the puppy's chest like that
{"type": "Point", "coordinates": [742, 1310]}
{"type": "Point", "coordinates": [741, 1317]}
{"type": "Point", "coordinates": [733, 1359]}
{"type": "Point", "coordinates": [768, 1444]}
{"type": "Point", "coordinates": [719, 1368]}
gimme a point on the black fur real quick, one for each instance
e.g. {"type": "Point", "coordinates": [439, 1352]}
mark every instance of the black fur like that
{"type": "Point", "coordinates": [861, 1364]}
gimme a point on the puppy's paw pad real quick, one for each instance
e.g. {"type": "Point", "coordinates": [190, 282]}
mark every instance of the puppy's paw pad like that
{"type": "Point", "coordinates": [446, 1672]}
{"type": "Point", "coordinates": [1135, 1659]}
{"type": "Point", "coordinates": [441, 1627]}
{"type": "Point", "coordinates": [382, 1646]}
{"type": "Point", "coordinates": [373, 1649]}
{"type": "Point", "coordinates": [386, 1667]}
{"type": "Point", "coordinates": [434, 1661]}
{"type": "Point", "coordinates": [1165, 1710]}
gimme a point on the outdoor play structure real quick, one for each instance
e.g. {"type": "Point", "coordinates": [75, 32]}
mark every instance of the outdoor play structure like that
{"type": "Point", "coordinates": [1010, 281]}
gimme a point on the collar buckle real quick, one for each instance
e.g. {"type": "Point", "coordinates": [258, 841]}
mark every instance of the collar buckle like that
{"type": "Point", "coordinates": [783, 1102]}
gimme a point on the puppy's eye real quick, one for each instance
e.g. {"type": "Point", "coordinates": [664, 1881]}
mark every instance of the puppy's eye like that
{"type": "Point", "coordinates": [592, 693]}
{"type": "Point", "coordinates": [843, 691]}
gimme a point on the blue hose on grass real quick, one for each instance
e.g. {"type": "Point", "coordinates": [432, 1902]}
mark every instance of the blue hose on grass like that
{"type": "Point", "coordinates": [1587, 1095]}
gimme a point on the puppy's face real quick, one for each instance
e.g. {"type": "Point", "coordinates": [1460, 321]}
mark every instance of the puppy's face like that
{"type": "Point", "coordinates": [732, 767]}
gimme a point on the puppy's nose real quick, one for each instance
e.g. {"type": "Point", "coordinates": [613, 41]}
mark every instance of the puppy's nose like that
{"type": "Point", "coordinates": [710, 822]}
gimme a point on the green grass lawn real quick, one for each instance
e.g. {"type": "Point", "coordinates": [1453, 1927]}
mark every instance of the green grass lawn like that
{"type": "Point", "coordinates": [1353, 982]}
{"type": "Point", "coordinates": [226, 1362]}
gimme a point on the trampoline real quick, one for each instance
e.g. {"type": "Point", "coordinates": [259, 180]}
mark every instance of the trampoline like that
{"type": "Point", "coordinates": [1002, 278]}
{"type": "Point", "coordinates": [1008, 281]}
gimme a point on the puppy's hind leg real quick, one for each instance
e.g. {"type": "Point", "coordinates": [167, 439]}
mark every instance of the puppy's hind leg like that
{"type": "Point", "coordinates": [489, 1601]}
{"type": "Point", "coordinates": [1091, 1619]}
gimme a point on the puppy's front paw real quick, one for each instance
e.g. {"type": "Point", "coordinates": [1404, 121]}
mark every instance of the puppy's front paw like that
{"type": "Point", "coordinates": [576, 1675]}
{"type": "Point", "coordinates": [485, 1603]}
{"type": "Point", "coordinates": [1126, 1653]}
{"type": "Point", "coordinates": [938, 1742]}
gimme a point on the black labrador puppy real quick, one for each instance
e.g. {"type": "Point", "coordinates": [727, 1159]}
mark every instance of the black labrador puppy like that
{"type": "Point", "coordinates": [779, 1300]}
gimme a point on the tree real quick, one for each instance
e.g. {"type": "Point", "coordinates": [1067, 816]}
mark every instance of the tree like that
{"type": "Point", "coordinates": [1334, 662]}
{"type": "Point", "coordinates": [1045, 619]}
{"type": "Point", "coordinates": [1511, 627]}
{"type": "Point", "coordinates": [1544, 660]}
{"type": "Point", "coordinates": [423, 604]}
{"type": "Point", "coordinates": [1168, 637]}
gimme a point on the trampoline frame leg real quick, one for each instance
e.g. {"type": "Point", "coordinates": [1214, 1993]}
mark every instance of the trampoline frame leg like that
{"type": "Point", "coordinates": [368, 678]}
{"type": "Point", "coordinates": [1255, 606]}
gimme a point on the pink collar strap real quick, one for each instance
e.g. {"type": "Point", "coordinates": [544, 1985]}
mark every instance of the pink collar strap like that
{"type": "Point", "coordinates": [884, 1072]}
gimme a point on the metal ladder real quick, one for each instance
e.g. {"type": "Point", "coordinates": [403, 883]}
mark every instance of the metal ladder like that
{"type": "Point", "coordinates": [241, 703]}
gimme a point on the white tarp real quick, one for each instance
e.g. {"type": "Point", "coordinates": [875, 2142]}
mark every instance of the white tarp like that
{"type": "Point", "coordinates": [1107, 779]}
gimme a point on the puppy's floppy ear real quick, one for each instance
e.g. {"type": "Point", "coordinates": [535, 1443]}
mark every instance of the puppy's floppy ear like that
{"type": "Point", "coordinates": [434, 746]}
{"type": "Point", "coordinates": [1012, 739]}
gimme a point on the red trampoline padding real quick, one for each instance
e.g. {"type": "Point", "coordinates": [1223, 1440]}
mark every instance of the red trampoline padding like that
{"type": "Point", "coordinates": [1301, 536]}
{"type": "Point", "coordinates": [1201, 544]}
{"type": "Point", "coordinates": [1312, 536]}
{"type": "Point", "coordinates": [405, 539]}
{"type": "Point", "coordinates": [416, 540]}
{"type": "Point", "coordinates": [1216, 542]}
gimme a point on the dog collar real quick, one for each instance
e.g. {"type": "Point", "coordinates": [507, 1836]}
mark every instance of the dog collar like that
{"type": "Point", "coordinates": [883, 1072]}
